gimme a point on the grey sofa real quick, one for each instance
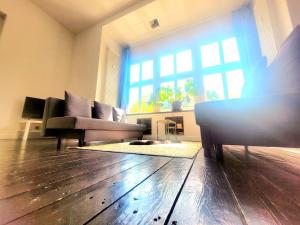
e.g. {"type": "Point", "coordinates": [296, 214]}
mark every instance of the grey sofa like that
{"type": "Point", "coordinates": [55, 124]}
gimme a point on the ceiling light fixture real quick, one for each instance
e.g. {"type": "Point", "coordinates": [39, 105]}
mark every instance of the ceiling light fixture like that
{"type": "Point", "coordinates": [154, 23]}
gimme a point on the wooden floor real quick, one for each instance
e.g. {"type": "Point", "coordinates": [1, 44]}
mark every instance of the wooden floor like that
{"type": "Point", "coordinates": [39, 185]}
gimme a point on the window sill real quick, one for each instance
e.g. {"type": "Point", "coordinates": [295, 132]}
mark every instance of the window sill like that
{"type": "Point", "coordinates": [167, 112]}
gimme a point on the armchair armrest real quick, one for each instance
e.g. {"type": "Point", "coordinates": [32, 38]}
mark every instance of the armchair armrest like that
{"type": "Point", "coordinates": [275, 108]}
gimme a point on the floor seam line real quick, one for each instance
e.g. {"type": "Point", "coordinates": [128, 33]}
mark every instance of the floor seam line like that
{"type": "Point", "coordinates": [234, 197]}
{"type": "Point", "coordinates": [179, 192]}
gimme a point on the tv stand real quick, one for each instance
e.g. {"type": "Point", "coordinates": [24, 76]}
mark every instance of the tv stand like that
{"type": "Point", "coordinates": [30, 129]}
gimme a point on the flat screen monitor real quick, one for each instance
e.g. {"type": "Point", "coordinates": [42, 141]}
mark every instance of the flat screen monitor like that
{"type": "Point", "coordinates": [33, 108]}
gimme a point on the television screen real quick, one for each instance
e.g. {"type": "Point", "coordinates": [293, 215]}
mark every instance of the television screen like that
{"type": "Point", "coordinates": [33, 108]}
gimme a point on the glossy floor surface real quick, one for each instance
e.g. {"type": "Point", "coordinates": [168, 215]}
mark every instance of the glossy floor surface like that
{"type": "Point", "coordinates": [39, 185]}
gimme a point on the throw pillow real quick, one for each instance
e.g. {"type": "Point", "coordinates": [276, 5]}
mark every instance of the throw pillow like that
{"type": "Point", "coordinates": [77, 106]}
{"type": "Point", "coordinates": [103, 111]}
{"type": "Point", "coordinates": [119, 115]}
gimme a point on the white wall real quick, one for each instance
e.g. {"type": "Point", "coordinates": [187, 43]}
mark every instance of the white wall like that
{"type": "Point", "coordinates": [274, 24]}
{"type": "Point", "coordinates": [1, 21]}
{"type": "Point", "coordinates": [85, 62]}
{"type": "Point", "coordinates": [294, 7]}
{"type": "Point", "coordinates": [109, 71]}
{"type": "Point", "coordinates": [264, 28]}
{"type": "Point", "coordinates": [35, 60]}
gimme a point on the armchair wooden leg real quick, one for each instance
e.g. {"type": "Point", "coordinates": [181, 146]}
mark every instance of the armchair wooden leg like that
{"type": "Point", "coordinates": [219, 152]}
{"type": "Point", "coordinates": [58, 146]}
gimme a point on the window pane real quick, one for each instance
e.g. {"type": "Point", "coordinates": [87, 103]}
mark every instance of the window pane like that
{"type": "Point", "coordinates": [213, 87]}
{"type": "Point", "coordinates": [147, 70]}
{"type": "Point", "coordinates": [184, 61]}
{"type": "Point", "coordinates": [134, 73]}
{"type": "Point", "coordinates": [231, 51]}
{"type": "Point", "coordinates": [185, 92]}
{"type": "Point", "coordinates": [133, 106]}
{"type": "Point", "coordinates": [235, 83]}
{"type": "Point", "coordinates": [167, 65]}
{"type": "Point", "coordinates": [147, 99]}
{"type": "Point", "coordinates": [166, 96]}
{"type": "Point", "coordinates": [210, 55]}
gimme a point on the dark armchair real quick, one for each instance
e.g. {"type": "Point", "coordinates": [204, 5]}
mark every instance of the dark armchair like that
{"type": "Point", "coordinates": [270, 119]}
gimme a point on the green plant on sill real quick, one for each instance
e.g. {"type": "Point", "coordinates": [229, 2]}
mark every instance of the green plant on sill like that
{"type": "Point", "coordinates": [189, 88]}
{"type": "Point", "coordinates": [212, 95]}
{"type": "Point", "coordinates": [147, 106]}
{"type": "Point", "coordinates": [179, 95]}
{"type": "Point", "coordinates": [134, 108]}
{"type": "Point", "coordinates": [165, 96]}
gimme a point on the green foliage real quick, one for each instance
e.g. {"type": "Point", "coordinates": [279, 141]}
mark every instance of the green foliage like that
{"type": "Point", "coordinates": [212, 95]}
{"type": "Point", "coordinates": [165, 96]}
{"type": "Point", "coordinates": [134, 107]}
{"type": "Point", "coordinates": [147, 107]}
{"type": "Point", "coordinates": [190, 88]}
{"type": "Point", "coordinates": [179, 95]}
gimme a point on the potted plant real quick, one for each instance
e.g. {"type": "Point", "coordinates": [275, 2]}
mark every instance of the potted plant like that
{"type": "Point", "coordinates": [179, 98]}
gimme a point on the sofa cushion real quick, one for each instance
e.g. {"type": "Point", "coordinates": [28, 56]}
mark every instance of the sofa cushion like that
{"type": "Point", "coordinates": [119, 115]}
{"type": "Point", "coordinates": [103, 111]}
{"type": "Point", "coordinates": [77, 106]}
{"type": "Point", "coordinates": [84, 123]}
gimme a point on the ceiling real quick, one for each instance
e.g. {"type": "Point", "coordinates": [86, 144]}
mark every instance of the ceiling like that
{"type": "Point", "coordinates": [79, 14]}
{"type": "Point", "coordinates": [173, 15]}
{"type": "Point", "coordinates": [130, 19]}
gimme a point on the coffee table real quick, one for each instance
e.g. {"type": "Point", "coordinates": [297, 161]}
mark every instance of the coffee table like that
{"type": "Point", "coordinates": [167, 124]}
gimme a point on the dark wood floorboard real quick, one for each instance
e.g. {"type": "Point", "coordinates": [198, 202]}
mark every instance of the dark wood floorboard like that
{"type": "Point", "coordinates": [39, 185]}
{"type": "Point", "coordinates": [206, 198]}
{"type": "Point", "coordinates": [56, 191]}
{"type": "Point", "coordinates": [275, 186]}
{"type": "Point", "coordinates": [251, 202]}
{"type": "Point", "coordinates": [150, 202]}
{"type": "Point", "coordinates": [29, 183]}
{"type": "Point", "coordinates": [80, 207]}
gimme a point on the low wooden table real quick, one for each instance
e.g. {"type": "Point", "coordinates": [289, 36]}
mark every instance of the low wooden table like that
{"type": "Point", "coordinates": [166, 123]}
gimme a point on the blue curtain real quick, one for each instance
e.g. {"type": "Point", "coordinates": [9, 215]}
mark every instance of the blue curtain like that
{"type": "Point", "coordinates": [124, 78]}
{"type": "Point", "coordinates": [244, 26]}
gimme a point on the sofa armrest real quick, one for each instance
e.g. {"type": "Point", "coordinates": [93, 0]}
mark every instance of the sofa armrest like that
{"type": "Point", "coordinates": [54, 107]}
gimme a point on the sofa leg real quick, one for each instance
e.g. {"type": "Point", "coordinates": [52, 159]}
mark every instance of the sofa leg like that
{"type": "Point", "coordinates": [207, 152]}
{"type": "Point", "coordinates": [80, 142]}
{"type": "Point", "coordinates": [58, 146]}
{"type": "Point", "coordinates": [219, 152]}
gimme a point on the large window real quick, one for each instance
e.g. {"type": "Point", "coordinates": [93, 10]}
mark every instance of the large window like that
{"type": "Point", "coordinates": [221, 69]}
{"type": "Point", "coordinates": [213, 70]}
